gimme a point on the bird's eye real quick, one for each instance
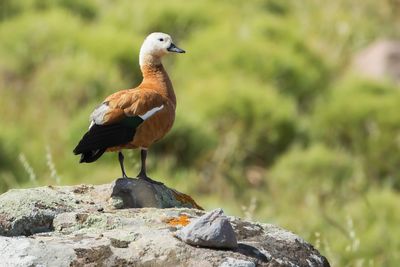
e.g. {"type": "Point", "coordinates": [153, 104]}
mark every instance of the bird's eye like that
{"type": "Point", "coordinates": [161, 40]}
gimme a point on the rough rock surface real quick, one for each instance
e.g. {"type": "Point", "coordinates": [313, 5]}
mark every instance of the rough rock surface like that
{"type": "Point", "coordinates": [30, 211]}
{"type": "Point", "coordinates": [81, 226]}
{"type": "Point", "coordinates": [212, 230]}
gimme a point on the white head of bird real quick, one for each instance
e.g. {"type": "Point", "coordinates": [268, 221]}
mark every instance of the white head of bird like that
{"type": "Point", "coordinates": [155, 46]}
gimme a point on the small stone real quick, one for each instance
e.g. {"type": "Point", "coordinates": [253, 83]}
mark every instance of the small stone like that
{"type": "Point", "coordinates": [212, 230]}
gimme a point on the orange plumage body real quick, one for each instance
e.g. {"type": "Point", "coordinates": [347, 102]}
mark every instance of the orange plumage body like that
{"type": "Point", "coordinates": [155, 90]}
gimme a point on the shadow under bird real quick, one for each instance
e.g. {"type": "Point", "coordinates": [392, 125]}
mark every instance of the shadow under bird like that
{"type": "Point", "coordinates": [135, 118]}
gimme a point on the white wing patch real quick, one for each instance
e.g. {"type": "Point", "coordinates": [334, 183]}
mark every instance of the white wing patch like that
{"type": "Point", "coordinates": [97, 115]}
{"type": "Point", "coordinates": [151, 112]}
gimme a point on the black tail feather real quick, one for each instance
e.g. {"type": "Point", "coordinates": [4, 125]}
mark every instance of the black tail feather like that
{"type": "Point", "coordinates": [91, 155]}
{"type": "Point", "coordinates": [100, 137]}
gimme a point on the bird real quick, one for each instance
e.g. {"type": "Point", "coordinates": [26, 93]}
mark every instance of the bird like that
{"type": "Point", "coordinates": [138, 117]}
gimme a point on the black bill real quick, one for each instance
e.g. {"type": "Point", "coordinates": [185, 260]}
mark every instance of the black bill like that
{"type": "Point", "coordinates": [174, 48]}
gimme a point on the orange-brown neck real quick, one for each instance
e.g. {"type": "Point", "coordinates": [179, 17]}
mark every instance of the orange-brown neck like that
{"type": "Point", "coordinates": [155, 77]}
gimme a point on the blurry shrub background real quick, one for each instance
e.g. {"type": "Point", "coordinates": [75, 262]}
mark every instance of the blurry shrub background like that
{"type": "Point", "coordinates": [272, 121]}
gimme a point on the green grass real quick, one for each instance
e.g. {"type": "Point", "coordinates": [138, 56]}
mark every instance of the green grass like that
{"type": "Point", "coordinates": [272, 122]}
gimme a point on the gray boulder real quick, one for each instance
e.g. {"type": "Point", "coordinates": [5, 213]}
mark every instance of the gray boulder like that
{"type": "Point", "coordinates": [212, 230]}
{"type": "Point", "coordinates": [83, 226]}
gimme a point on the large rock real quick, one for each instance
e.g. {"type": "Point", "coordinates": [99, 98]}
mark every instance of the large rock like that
{"type": "Point", "coordinates": [82, 226]}
{"type": "Point", "coordinates": [380, 60]}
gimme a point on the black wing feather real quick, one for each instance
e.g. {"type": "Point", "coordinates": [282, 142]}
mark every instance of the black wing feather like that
{"type": "Point", "coordinates": [100, 137]}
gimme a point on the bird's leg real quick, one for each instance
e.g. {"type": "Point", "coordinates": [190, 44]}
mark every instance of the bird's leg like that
{"type": "Point", "coordinates": [143, 156]}
{"type": "Point", "coordinates": [121, 163]}
{"type": "Point", "coordinates": [142, 174]}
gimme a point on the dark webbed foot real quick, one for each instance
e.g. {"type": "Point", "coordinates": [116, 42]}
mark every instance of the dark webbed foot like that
{"type": "Point", "coordinates": [142, 174]}
{"type": "Point", "coordinates": [148, 179]}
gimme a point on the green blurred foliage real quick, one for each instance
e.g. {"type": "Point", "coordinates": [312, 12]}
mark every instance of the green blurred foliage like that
{"type": "Point", "coordinates": [262, 131]}
{"type": "Point", "coordinates": [369, 129]}
{"type": "Point", "coordinates": [272, 123]}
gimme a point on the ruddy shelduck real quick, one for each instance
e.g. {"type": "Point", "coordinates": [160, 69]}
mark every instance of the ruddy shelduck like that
{"type": "Point", "coordinates": [137, 117]}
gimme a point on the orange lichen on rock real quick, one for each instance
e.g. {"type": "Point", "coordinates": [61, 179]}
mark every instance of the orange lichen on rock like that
{"type": "Point", "coordinates": [182, 220]}
{"type": "Point", "coordinates": [183, 198]}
